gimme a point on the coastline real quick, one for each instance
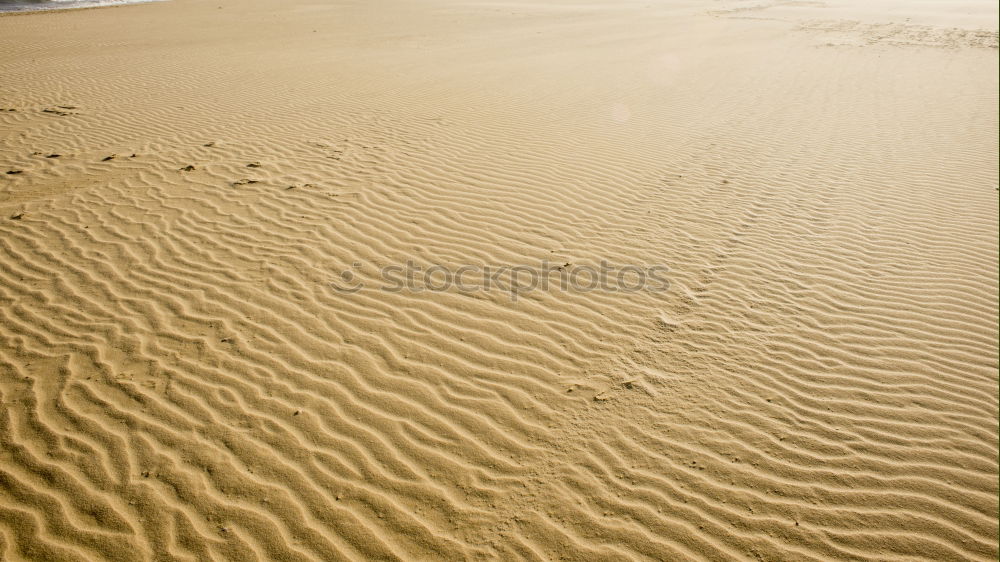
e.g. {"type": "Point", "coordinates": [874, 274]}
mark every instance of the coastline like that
{"type": "Point", "coordinates": [85, 6]}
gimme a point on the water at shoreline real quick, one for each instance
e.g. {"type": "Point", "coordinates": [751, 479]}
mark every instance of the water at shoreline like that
{"type": "Point", "coordinates": [37, 5]}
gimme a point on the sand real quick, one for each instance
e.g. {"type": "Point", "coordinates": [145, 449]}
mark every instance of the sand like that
{"type": "Point", "coordinates": [181, 380]}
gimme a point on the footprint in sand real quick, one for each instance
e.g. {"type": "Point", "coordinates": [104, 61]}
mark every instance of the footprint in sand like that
{"type": "Point", "coordinates": [14, 172]}
{"type": "Point", "coordinates": [666, 322]}
{"type": "Point", "coordinates": [60, 110]}
{"type": "Point", "coordinates": [253, 165]}
{"type": "Point", "coordinates": [245, 182]}
{"type": "Point", "coordinates": [107, 158]}
{"type": "Point", "coordinates": [188, 168]}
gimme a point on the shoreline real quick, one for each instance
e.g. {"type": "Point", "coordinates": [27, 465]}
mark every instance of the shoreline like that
{"type": "Point", "coordinates": [4, 12]}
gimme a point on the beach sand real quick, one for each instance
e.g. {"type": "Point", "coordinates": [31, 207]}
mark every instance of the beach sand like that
{"type": "Point", "coordinates": [186, 187]}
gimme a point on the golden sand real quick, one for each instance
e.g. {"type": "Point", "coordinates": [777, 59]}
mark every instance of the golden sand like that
{"type": "Point", "coordinates": [179, 379]}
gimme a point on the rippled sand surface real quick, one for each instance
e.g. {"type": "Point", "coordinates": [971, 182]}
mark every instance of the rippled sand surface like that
{"type": "Point", "coordinates": [182, 183]}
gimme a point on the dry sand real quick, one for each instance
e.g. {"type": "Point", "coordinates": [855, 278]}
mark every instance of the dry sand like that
{"type": "Point", "coordinates": [180, 381]}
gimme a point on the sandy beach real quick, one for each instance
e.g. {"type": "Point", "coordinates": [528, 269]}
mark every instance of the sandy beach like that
{"type": "Point", "coordinates": [288, 281]}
